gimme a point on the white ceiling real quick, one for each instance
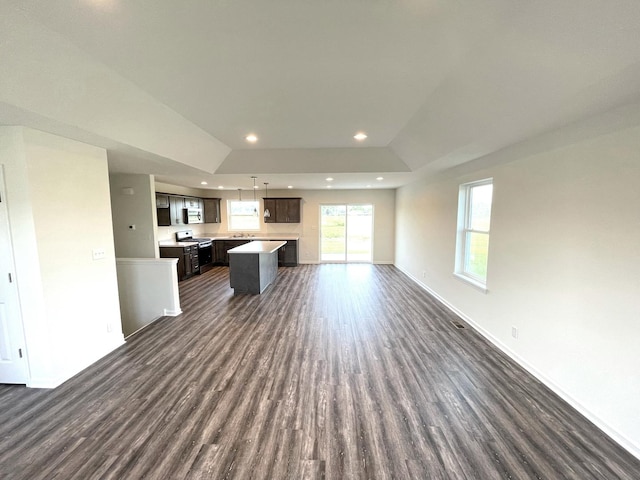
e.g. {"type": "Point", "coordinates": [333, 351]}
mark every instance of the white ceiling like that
{"type": "Point", "coordinates": [433, 83]}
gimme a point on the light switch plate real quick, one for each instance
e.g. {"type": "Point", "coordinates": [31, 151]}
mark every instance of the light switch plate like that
{"type": "Point", "coordinates": [98, 253]}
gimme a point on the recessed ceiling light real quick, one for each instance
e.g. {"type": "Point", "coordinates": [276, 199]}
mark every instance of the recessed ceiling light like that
{"type": "Point", "coordinates": [328, 186]}
{"type": "Point", "coordinates": [102, 4]}
{"type": "Point", "coordinates": [329, 179]}
{"type": "Point", "coordinates": [289, 186]}
{"type": "Point", "coordinates": [368, 186]}
{"type": "Point", "coordinates": [203, 183]}
{"type": "Point", "coordinates": [220, 187]}
{"type": "Point", "coordinates": [251, 138]}
{"type": "Point", "coordinates": [380, 178]}
{"type": "Point", "coordinates": [360, 136]}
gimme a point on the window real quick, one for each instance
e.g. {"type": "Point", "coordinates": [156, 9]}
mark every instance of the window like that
{"type": "Point", "coordinates": [243, 215]}
{"type": "Point", "coordinates": [474, 218]}
{"type": "Point", "coordinates": [346, 233]}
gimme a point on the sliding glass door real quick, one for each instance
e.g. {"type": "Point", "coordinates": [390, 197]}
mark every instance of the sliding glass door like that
{"type": "Point", "coordinates": [346, 233]}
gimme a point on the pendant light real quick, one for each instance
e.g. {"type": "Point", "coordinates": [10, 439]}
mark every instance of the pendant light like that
{"type": "Point", "coordinates": [267, 213]}
{"type": "Point", "coordinates": [255, 208]}
{"type": "Point", "coordinates": [240, 194]}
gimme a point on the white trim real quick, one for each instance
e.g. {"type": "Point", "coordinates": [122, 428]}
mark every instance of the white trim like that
{"type": "Point", "coordinates": [145, 326]}
{"type": "Point", "coordinates": [230, 216]}
{"type": "Point", "coordinates": [619, 438]}
{"type": "Point", "coordinates": [474, 283]}
{"type": "Point", "coordinates": [145, 261]}
{"type": "Point", "coordinates": [53, 382]}
{"type": "Point", "coordinates": [377, 262]}
{"type": "Point", "coordinates": [464, 229]}
{"type": "Point", "coordinates": [346, 229]}
{"type": "Point", "coordinates": [45, 382]}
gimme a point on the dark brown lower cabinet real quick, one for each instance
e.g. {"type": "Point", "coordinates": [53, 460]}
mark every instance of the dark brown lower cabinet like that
{"type": "Point", "coordinates": [288, 254]}
{"type": "Point", "coordinates": [188, 264]}
{"type": "Point", "coordinates": [221, 247]}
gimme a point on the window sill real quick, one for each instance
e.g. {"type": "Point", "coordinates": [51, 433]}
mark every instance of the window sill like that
{"type": "Point", "coordinates": [474, 283]}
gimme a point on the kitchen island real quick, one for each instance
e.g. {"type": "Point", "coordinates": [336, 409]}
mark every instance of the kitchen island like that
{"type": "Point", "coordinates": [253, 266]}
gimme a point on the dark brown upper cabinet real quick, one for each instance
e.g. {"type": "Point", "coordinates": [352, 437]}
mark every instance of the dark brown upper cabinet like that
{"type": "Point", "coordinates": [212, 210]}
{"type": "Point", "coordinates": [162, 210]}
{"type": "Point", "coordinates": [282, 210]}
{"type": "Point", "coordinates": [177, 207]}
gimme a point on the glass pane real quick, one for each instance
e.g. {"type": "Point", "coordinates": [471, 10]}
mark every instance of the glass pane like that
{"type": "Point", "coordinates": [476, 255]}
{"type": "Point", "coordinates": [333, 233]}
{"type": "Point", "coordinates": [480, 207]}
{"type": "Point", "coordinates": [359, 232]}
{"type": "Point", "coordinates": [243, 215]}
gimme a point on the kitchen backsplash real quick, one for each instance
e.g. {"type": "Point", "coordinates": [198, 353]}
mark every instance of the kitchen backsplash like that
{"type": "Point", "coordinates": [200, 229]}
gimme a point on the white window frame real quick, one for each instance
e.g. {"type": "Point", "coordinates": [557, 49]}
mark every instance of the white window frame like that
{"type": "Point", "coordinates": [464, 230]}
{"type": "Point", "coordinates": [230, 217]}
{"type": "Point", "coordinates": [346, 239]}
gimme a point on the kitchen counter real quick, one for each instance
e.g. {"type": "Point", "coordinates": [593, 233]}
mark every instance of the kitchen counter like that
{"type": "Point", "coordinates": [260, 236]}
{"type": "Point", "coordinates": [172, 243]}
{"type": "Point", "coordinates": [223, 242]}
{"type": "Point", "coordinates": [229, 236]}
{"type": "Point", "coordinates": [258, 246]}
{"type": "Point", "coordinates": [253, 266]}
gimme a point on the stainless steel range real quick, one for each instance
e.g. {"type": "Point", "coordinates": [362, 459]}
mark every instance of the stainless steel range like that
{"type": "Point", "coordinates": [205, 251]}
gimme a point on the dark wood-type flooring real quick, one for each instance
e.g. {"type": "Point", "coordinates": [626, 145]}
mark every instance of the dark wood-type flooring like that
{"type": "Point", "coordinates": [336, 371]}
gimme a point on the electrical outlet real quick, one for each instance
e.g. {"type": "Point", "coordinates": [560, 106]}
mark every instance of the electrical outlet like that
{"type": "Point", "coordinates": [98, 253]}
{"type": "Point", "coordinates": [514, 332]}
{"type": "Point", "coordinates": [424, 274]}
{"type": "Point", "coordinates": [108, 328]}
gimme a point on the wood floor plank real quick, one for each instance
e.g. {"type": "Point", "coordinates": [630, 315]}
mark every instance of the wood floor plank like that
{"type": "Point", "coordinates": [336, 371]}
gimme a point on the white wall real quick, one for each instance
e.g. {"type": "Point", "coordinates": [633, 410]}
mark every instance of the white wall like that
{"type": "Point", "coordinates": [54, 85]}
{"type": "Point", "coordinates": [383, 202]}
{"type": "Point", "coordinates": [563, 261]}
{"type": "Point", "coordinates": [59, 210]}
{"type": "Point", "coordinates": [148, 290]}
{"type": "Point", "coordinates": [133, 203]}
{"type": "Point", "coordinates": [309, 244]}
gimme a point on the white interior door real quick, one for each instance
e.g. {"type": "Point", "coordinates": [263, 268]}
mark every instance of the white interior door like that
{"type": "Point", "coordinates": [13, 362]}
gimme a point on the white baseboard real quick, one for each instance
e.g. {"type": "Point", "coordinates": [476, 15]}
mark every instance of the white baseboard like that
{"type": "Point", "coordinates": [314, 262]}
{"type": "Point", "coordinates": [171, 313]}
{"type": "Point", "coordinates": [45, 382]}
{"type": "Point", "coordinates": [53, 382]}
{"type": "Point", "coordinates": [151, 322]}
{"type": "Point", "coordinates": [620, 439]}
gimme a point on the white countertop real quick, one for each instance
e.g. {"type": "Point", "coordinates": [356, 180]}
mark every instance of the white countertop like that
{"type": "Point", "coordinates": [258, 236]}
{"type": "Point", "coordinates": [229, 236]}
{"type": "Point", "coordinates": [258, 247]}
{"type": "Point", "coordinates": [170, 243]}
